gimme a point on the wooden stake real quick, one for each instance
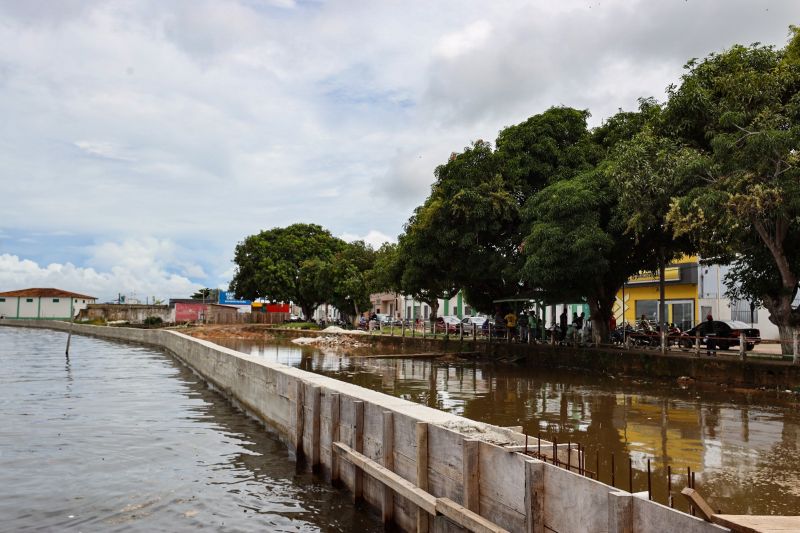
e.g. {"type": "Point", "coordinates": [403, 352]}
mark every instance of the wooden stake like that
{"type": "Point", "coordinates": [299, 422]}
{"type": "Point", "coordinates": [471, 472]}
{"type": "Point", "coordinates": [334, 430]}
{"type": "Point", "coordinates": [358, 446]}
{"type": "Point", "coordinates": [316, 407]}
{"type": "Point", "coordinates": [387, 509]}
{"type": "Point", "coordinates": [422, 471]}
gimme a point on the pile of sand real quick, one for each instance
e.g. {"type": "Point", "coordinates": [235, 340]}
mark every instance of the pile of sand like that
{"type": "Point", "coordinates": [344, 341]}
{"type": "Point", "coordinates": [336, 330]}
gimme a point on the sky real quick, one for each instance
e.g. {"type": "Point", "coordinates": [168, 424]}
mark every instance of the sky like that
{"type": "Point", "coordinates": [141, 140]}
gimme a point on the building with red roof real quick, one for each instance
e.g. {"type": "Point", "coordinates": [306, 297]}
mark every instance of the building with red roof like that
{"type": "Point", "coordinates": [42, 303]}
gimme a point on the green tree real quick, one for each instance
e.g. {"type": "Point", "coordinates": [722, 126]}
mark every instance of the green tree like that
{"type": "Point", "coordinates": [211, 295]}
{"type": "Point", "coordinates": [740, 109]}
{"type": "Point", "coordinates": [348, 277]}
{"type": "Point", "coordinates": [286, 264]}
{"type": "Point", "coordinates": [580, 244]}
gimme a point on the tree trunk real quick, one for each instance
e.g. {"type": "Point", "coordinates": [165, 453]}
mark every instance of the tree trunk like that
{"type": "Point", "coordinates": [434, 313]}
{"type": "Point", "coordinates": [308, 311]}
{"type": "Point", "coordinates": [601, 309]}
{"type": "Point", "coordinates": [781, 314]}
{"type": "Point", "coordinates": [358, 315]}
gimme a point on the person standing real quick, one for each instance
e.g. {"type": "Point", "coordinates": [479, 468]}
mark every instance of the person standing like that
{"type": "Point", "coordinates": [511, 323]}
{"type": "Point", "coordinates": [562, 322]}
{"type": "Point", "coordinates": [523, 324]}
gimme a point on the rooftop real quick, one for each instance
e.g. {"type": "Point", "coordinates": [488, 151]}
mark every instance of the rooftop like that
{"type": "Point", "coordinates": [45, 292]}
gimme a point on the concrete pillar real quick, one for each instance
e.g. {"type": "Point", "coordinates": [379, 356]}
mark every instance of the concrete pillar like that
{"type": "Point", "coordinates": [620, 512]}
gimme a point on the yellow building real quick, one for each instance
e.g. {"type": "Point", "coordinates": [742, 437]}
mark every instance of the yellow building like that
{"type": "Point", "coordinates": [640, 295]}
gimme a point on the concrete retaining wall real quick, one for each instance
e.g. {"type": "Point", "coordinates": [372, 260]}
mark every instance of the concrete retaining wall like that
{"type": "Point", "coordinates": [513, 490]}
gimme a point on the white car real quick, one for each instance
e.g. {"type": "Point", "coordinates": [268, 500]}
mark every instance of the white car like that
{"type": "Point", "coordinates": [473, 322]}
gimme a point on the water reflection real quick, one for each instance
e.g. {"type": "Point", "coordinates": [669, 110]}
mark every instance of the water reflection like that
{"type": "Point", "coordinates": [743, 447]}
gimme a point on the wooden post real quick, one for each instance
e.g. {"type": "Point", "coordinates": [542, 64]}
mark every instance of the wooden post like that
{"type": "Point", "coordinates": [534, 496]}
{"type": "Point", "coordinates": [742, 346]}
{"type": "Point", "coordinates": [697, 501]}
{"type": "Point", "coordinates": [316, 407]}
{"type": "Point", "coordinates": [334, 430]}
{"type": "Point", "coordinates": [387, 508]}
{"type": "Point", "coordinates": [796, 347]}
{"type": "Point", "coordinates": [358, 445]}
{"type": "Point", "coordinates": [299, 405]}
{"type": "Point", "coordinates": [620, 512]}
{"type": "Point", "coordinates": [697, 345]}
{"type": "Point", "coordinates": [422, 471]}
{"type": "Point", "coordinates": [471, 451]}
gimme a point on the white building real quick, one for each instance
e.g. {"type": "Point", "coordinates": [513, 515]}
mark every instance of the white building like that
{"type": "Point", "coordinates": [42, 303]}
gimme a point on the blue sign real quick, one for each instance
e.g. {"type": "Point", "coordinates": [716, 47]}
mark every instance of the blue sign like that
{"type": "Point", "coordinates": [229, 298]}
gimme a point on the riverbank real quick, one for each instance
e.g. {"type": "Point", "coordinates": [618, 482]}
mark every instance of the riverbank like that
{"type": "Point", "coordinates": [462, 461]}
{"type": "Point", "coordinates": [723, 370]}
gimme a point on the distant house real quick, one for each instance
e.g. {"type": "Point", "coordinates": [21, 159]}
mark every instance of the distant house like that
{"type": "Point", "coordinates": [42, 303]}
{"type": "Point", "coordinates": [191, 310]}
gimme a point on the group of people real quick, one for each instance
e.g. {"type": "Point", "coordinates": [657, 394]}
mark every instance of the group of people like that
{"type": "Point", "coordinates": [523, 327]}
{"type": "Point", "coordinates": [579, 331]}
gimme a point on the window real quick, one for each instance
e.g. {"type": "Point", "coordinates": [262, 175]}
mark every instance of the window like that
{"type": "Point", "coordinates": [29, 300]}
{"type": "Point", "coordinates": [467, 310]}
{"type": "Point", "coordinates": [55, 300]}
{"type": "Point", "coordinates": [84, 301]}
{"type": "Point", "coordinates": [741, 310]}
{"type": "Point", "coordinates": [2, 299]}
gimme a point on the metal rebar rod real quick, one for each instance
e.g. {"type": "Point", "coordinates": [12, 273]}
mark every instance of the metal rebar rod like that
{"type": "Point", "coordinates": [539, 446]}
{"type": "Point", "coordinates": [597, 465]}
{"type": "Point", "coordinates": [630, 475]}
{"type": "Point", "coordinates": [689, 484]}
{"type": "Point", "coordinates": [669, 485]}
{"type": "Point", "coordinates": [569, 456]}
{"type": "Point", "coordinates": [613, 471]}
{"type": "Point", "coordinates": [649, 483]}
{"type": "Point", "coordinates": [526, 444]}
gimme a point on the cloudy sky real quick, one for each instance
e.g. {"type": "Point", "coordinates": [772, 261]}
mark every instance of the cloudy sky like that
{"type": "Point", "coordinates": [140, 140]}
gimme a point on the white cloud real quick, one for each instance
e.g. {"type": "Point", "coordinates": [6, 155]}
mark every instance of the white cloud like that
{"type": "Point", "coordinates": [149, 267]}
{"type": "Point", "coordinates": [462, 42]}
{"type": "Point", "coordinates": [202, 122]}
{"type": "Point", "coordinates": [373, 237]}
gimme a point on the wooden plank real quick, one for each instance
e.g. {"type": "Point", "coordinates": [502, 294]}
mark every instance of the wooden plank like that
{"type": "Point", "coordinates": [758, 523]}
{"type": "Point", "coordinates": [334, 429]}
{"type": "Point", "coordinates": [465, 518]}
{"type": "Point", "coordinates": [316, 415]}
{"type": "Point", "coordinates": [424, 501]}
{"type": "Point", "coordinates": [699, 503]}
{"type": "Point", "coordinates": [534, 497]}
{"type": "Point", "coordinates": [299, 406]}
{"type": "Point", "coordinates": [422, 471]}
{"type": "Point", "coordinates": [358, 446]}
{"type": "Point", "coordinates": [620, 512]}
{"type": "Point", "coordinates": [387, 507]}
{"type": "Point", "coordinates": [471, 464]}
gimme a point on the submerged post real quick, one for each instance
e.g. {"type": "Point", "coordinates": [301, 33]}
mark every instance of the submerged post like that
{"type": "Point", "coordinates": [742, 346]}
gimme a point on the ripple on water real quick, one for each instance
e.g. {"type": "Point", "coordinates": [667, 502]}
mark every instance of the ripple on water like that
{"type": "Point", "coordinates": [122, 438]}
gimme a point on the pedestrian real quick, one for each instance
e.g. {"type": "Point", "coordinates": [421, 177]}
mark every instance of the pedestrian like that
{"type": "Point", "coordinates": [579, 320]}
{"type": "Point", "coordinates": [562, 322]}
{"type": "Point", "coordinates": [511, 323]}
{"type": "Point", "coordinates": [523, 324]}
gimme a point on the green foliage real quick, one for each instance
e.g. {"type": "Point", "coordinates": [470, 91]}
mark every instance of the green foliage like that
{"type": "Point", "coordinates": [154, 321]}
{"type": "Point", "coordinates": [286, 264]}
{"type": "Point", "coordinates": [207, 294]}
{"type": "Point", "coordinates": [740, 111]}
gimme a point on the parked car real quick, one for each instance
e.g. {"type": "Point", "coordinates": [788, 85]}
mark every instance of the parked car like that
{"type": "Point", "coordinates": [470, 323]}
{"type": "Point", "coordinates": [723, 334]}
{"type": "Point", "coordinates": [448, 324]}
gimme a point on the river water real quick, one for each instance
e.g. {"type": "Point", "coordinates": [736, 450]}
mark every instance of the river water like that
{"type": "Point", "coordinates": [744, 447]}
{"type": "Point", "coordinates": [124, 438]}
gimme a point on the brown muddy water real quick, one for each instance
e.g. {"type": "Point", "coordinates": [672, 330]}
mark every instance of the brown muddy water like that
{"type": "Point", "coordinates": [744, 447]}
{"type": "Point", "coordinates": [124, 438]}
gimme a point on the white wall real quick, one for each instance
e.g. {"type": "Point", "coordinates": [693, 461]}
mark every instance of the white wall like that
{"type": "Point", "coordinates": [8, 308]}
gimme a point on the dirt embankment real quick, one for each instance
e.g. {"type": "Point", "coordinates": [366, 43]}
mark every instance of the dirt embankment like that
{"type": "Point", "coordinates": [212, 332]}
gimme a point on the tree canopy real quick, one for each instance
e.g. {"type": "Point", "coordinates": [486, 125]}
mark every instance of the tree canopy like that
{"type": "Point", "coordinates": [739, 110]}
